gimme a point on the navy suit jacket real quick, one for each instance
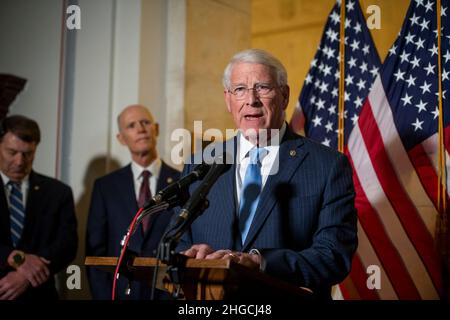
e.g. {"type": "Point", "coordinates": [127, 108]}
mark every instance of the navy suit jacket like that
{"type": "Point", "coordinates": [305, 223]}
{"type": "Point", "coordinates": [50, 230]}
{"type": "Point", "coordinates": [113, 207]}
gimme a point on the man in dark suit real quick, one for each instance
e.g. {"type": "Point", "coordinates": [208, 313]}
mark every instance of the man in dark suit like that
{"type": "Point", "coordinates": [38, 228]}
{"type": "Point", "coordinates": [117, 197]}
{"type": "Point", "coordinates": [286, 204]}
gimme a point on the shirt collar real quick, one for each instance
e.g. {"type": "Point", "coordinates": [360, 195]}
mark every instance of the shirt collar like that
{"type": "Point", "coordinates": [6, 179]}
{"type": "Point", "coordinates": [154, 168]}
{"type": "Point", "coordinates": [245, 146]}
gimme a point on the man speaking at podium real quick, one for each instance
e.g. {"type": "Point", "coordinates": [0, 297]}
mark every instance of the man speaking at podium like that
{"type": "Point", "coordinates": [284, 208]}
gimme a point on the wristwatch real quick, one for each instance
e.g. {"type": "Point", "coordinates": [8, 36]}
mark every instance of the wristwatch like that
{"type": "Point", "coordinates": [18, 259]}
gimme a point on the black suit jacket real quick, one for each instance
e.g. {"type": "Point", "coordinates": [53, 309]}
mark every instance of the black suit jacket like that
{"type": "Point", "coordinates": [50, 230]}
{"type": "Point", "coordinates": [113, 206]}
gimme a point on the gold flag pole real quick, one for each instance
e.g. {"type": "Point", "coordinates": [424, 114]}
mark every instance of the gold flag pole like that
{"type": "Point", "coordinates": [442, 174]}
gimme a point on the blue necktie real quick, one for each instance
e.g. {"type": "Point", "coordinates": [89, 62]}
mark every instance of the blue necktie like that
{"type": "Point", "coordinates": [17, 212]}
{"type": "Point", "coordinates": [251, 189]}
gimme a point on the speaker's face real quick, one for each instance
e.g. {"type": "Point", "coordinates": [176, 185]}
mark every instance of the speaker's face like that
{"type": "Point", "coordinates": [254, 99]}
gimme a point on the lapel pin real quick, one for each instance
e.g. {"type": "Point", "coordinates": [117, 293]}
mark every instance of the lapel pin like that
{"type": "Point", "coordinates": [36, 188]}
{"type": "Point", "coordinates": [292, 153]}
{"type": "Point", "coordinates": [169, 180]}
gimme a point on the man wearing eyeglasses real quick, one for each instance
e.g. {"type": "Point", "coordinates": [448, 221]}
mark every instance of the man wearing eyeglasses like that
{"type": "Point", "coordinates": [286, 209]}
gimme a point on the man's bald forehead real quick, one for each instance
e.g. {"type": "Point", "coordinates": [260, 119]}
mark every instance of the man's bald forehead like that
{"type": "Point", "coordinates": [133, 107]}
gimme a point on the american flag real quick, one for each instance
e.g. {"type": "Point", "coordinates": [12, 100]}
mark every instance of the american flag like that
{"type": "Point", "coordinates": [391, 139]}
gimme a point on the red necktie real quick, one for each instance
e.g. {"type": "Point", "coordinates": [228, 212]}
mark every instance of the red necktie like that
{"type": "Point", "coordinates": [144, 196]}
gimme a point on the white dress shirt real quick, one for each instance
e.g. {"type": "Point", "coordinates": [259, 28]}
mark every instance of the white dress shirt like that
{"type": "Point", "coordinates": [154, 168]}
{"type": "Point", "coordinates": [269, 164]}
{"type": "Point", "coordinates": [24, 186]}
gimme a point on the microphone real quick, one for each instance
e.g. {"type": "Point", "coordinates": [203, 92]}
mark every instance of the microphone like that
{"type": "Point", "coordinates": [175, 188]}
{"type": "Point", "coordinates": [201, 192]}
{"type": "Point", "coordinates": [174, 194]}
{"type": "Point", "coordinates": [193, 207]}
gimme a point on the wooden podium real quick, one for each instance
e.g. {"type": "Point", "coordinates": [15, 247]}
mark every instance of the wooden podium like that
{"type": "Point", "coordinates": [208, 279]}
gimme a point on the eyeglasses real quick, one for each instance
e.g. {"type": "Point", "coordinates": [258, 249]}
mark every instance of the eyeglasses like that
{"type": "Point", "coordinates": [263, 90]}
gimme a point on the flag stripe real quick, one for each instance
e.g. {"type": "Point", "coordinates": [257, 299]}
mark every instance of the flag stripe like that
{"type": "Point", "coordinates": [347, 287]}
{"type": "Point", "coordinates": [298, 120]}
{"type": "Point", "coordinates": [336, 293]}
{"type": "Point", "coordinates": [389, 219]}
{"type": "Point", "coordinates": [374, 242]}
{"type": "Point", "coordinates": [402, 204]}
{"type": "Point", "coordinates": [424, 168]}
{"type": "Point", "coordinates": [359, 276]}
{"type": "Point", "coordinates": [369, 256]}
{"type": "Point", "coordinates": [397, 156]}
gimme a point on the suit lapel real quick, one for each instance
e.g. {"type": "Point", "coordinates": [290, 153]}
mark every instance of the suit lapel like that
{"type": "Point", "coordinates": [165, 178]}
{"type": "Point", "coordinates": [229, 193]}
{"type": "Point", "coordinates": [126, 186]}
{"type": "Point", "coordinates": [290, 157]}
{"type": "Point", "coordinates": [224, 195]}
{"type": "Point", "coordinates": [227, 205]}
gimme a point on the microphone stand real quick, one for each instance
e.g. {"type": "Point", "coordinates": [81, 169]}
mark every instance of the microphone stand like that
{"type": "Point", "coordinates": [192, 209]}
{"type": "Point", "coordinates": [166, 252]}
{"type": "Point", "coordinates": [176, 199]}
{"type": "Point", "coordinates": [124, 255]}
{"type": "Point", "coordinates": [173, 195]}
{"type": "Point", "coordinates": [157, 205]}
{"type": "Point", "coordinates": [169, 242]}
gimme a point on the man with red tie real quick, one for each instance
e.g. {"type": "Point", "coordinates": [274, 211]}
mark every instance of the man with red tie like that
{"type": "Point", "coordinates": [117, 197]}
{"type": "Point", "coordinates": [38, 228]}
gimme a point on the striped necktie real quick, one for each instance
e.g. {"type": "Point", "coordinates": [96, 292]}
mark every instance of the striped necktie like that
{"type": "Point", "coordinates": [17, 212]}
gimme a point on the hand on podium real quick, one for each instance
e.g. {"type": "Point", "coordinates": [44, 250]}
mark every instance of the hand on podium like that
{"type": "Point", "coordinates": [204, 251]}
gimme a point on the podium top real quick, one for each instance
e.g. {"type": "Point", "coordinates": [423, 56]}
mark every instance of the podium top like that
{"type": "Point", "coordinates": [233, 277]}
